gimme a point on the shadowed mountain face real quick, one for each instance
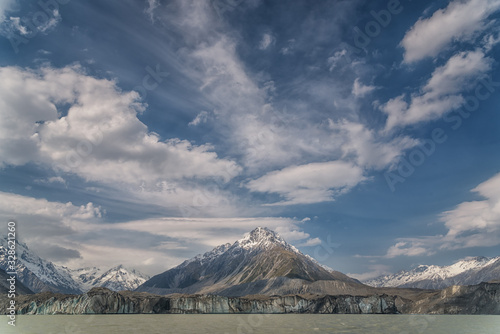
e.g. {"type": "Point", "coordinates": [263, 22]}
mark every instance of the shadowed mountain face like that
{"type": "Point", "coordinates": [5, 285]}
{"type": "Point", "coordinates": [256, 260]}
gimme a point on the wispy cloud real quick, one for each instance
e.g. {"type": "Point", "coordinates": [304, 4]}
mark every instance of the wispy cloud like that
{"type": "Point", "coordinates": [266, 41]}
{"type": "Point", "coordinates": [442, 93]}
{"type": "Point", "coordinates": [470, 224]}
{"type": "Point", "coordinates": [459, 21]}
{"type": "Point", "coordinates": [80, 235]}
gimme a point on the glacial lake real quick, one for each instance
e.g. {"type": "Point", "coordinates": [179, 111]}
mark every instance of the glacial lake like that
{"type": "Point", "coordinates": [252, 323]}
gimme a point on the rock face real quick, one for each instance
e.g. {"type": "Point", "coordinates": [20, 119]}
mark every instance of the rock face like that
{"type": "Point", "coordinates": [249, 266]}
{"type": "Point", "coordinates": [5, 285]}
{"type": "Point", "coordinates": [477, 299]}
{"type": "Point", "coordinates": [483, 298]}
{"type": "Point", "coordinates": [468, 271]}
{"type": "Point", "coordinates": [105, 301]}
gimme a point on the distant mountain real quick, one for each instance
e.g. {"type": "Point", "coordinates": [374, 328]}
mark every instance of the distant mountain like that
{"type": "Point", "coordinates": [260, 263]}
{"type": "Point", "coordinates": [117, 278]}
{"type": "Point", "coordinates": [469, 271]}
{"type": "Point", "coordinates": [38, 274]}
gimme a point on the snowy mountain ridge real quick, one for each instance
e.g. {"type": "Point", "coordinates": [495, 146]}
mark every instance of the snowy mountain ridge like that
{"type": "Point", "coordinates": [41, 275]}
{"type": "Point", "coordinates": [468, 271]}
{"type": "Point", "coordinates": [117, 278]}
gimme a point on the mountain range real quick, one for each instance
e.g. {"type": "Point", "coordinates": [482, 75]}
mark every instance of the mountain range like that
{"type": "Point", "coordinates": [260, 273]}
{"type": "Point", "coordinates": [261, 263]}
{"type": "Point", "coordinates": [40, 275]}
{"type": "Point", "coordinates": [469, 271]}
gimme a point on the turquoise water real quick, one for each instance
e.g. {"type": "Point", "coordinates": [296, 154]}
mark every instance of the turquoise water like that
{"type": "Point", "coordinates": [252, 323]}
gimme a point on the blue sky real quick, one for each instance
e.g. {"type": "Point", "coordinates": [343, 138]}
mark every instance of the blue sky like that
{"type": "Point", "coordinates": [146, 132]}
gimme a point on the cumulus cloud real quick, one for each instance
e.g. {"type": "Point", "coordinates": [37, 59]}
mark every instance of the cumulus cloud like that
{"type": "Point", "coordinates": [459, 21]}
{"type": "Point", "coordinates": [442, 93]}
{"type": "Point", "coordinates": [89, 139]}
{"type": "Point", "coordinates": [309, 183]}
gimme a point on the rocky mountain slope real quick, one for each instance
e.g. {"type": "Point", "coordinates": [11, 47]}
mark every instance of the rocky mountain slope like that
{"type": "Point", "coordinates": [260, 263]}
{"type": "Point", "coordinates": [5, 285]}
{"type": "Point", "coordinates": [469, 271]}
{"type": "Point", "coordinates": [36, 273]}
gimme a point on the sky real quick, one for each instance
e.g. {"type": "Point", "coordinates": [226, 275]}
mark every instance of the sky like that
{"type": "Point", "coordinates": [143, 133]}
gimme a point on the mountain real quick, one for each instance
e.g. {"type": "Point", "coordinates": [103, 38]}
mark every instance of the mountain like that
{"type": "Point", "coordinates": [260, 263]}
{"type": "Point", "coordinates": [5, 285]}
{"type": "Point", "coordinates": [469, 271]}
{"type": "Point", "coordinates": [36, 273]}
{"type": "Point", "coordinates": [40, 275]}
{"type": "Point", "coordinates": [117, 278]}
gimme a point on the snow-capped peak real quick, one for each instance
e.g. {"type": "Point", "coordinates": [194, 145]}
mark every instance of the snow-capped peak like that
{"type": "Point", "coordinates": [262, 237]}
{"type": "Point", "coordinates": [48, 276]}
{"type": "Point", "coordinates": [117, 278]}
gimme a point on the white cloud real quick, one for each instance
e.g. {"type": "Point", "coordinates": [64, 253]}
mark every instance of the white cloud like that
{"type": "Point", "coordinates": [334, 60]}
{"type": "Point", "coordinates": [311, 243]}
{"type": "Point", "coordinates": [51, 23]}
{"type": "Point", "coordinates": [289, 49]}
{"type": "Point", "coordinates": [367, 148]}
{"type": "Point", "coordinates": [376, 270]}
{"type": "Point", "coordinates": [267, 40]}
{"type": "Point", "coordinates": [475, 223]}
{"type": "Point", "coordinates": [442, 93]}
{"type": "Point", "coordinates": [410, 247]}
{"type": "Point", "coordinates": [53, 179]}
{"type": "Point", "coordinates": [360, 90]}
{"type": "Point", "coordinates": [151, 245]}
{"type": "Point", "coordinates": [150, 10]}
{"type": "Point", "coordinates": [15, 22]}
{"type": "Point", "coordinates": [470, 224]}
{"type": "Point", "coordinates": [457, 22]}
{"type": "Point", "coordinates": [44, 224]}
{"type": "Point", "coordinates": [88, 141]}
{"type": "Point", "coordinates": [201, 118]}
{"type": "Point", "coordinates": [310, 183]}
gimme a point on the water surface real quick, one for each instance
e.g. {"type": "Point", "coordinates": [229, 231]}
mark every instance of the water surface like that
{"type": "Point", "coordinates": [252, 323]}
